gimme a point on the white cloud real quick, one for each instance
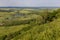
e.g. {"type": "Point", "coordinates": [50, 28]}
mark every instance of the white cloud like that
{"type": "Point", "coordinates": [29, 3]}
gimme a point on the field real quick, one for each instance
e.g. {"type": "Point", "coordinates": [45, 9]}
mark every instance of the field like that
{"type": "Point", "coordinates": [29, 24]}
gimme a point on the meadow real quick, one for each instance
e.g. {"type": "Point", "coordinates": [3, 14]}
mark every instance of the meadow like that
{"type": "Point", "coordinates": [29, 24]}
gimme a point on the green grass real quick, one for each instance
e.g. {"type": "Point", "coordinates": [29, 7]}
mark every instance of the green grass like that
{"type": "Point", "coordinates": [49, 31]}
{"type": "Point", "coordinates": [35, 25]}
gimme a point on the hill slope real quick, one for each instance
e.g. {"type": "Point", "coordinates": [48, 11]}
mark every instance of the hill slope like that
{"type": "Point", "coordinates": [30, 25]}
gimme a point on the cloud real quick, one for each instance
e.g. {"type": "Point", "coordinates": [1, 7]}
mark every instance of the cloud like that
{"type": "Point", "coordinates": [4, 3]}
{"type": "Point", "coordinates": [30, 3]}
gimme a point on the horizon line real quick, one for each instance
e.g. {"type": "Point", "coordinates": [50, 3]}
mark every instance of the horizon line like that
{"type": "Point", "coordinates": [26, 7]}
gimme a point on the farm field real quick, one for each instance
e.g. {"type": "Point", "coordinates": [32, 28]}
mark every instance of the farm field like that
{"type": "Point", "coordinates": [29, 24]}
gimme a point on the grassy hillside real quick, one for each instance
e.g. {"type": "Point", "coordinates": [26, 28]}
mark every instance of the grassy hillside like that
{"type": "Point", "coordinates": [29, 24]}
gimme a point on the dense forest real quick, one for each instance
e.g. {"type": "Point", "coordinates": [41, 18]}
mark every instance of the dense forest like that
{"type": "Point", "coordinates": [29, 24]}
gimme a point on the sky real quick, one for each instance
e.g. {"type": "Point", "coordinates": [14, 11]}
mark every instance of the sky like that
{"type": "Point", "coordinates": [29, 3]}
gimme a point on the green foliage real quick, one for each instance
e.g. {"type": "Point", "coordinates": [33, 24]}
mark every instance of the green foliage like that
{"type": "Point", "coordinates": [27, 24]}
